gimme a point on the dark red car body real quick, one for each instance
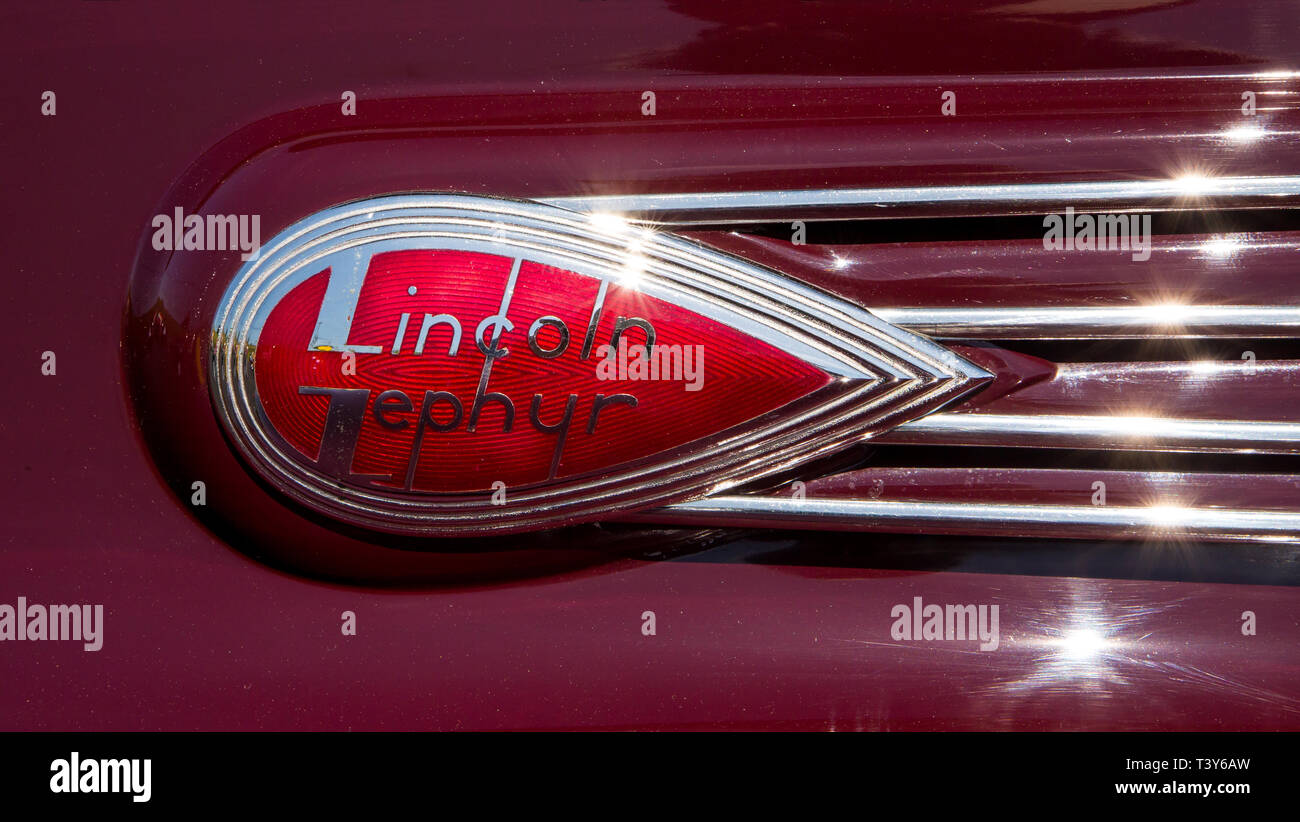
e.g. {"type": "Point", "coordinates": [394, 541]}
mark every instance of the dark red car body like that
{"type": "Point", "coordinates": [212, 624]}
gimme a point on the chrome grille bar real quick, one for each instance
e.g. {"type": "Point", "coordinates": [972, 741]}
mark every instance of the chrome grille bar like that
{"type": "Point", "coordinates": [1099, 322]}
{"type": "Point", "coordinates": [867, 203]}
{"type": "Point", "coordinates": [1098, 432]}
{"type": "Point", "coordinates": [852, 511]}
{"type": "Point", "coordinates": [982, 519]}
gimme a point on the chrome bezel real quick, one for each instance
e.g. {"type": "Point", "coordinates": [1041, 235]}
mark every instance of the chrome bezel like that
{"type": "Point", "coordinates": [883, 375]}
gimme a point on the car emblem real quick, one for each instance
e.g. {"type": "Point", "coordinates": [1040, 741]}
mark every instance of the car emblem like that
{"type": "Point", "coordinates": [450, 364]}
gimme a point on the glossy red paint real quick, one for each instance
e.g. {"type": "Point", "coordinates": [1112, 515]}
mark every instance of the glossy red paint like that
{"type": "Point", "coordinates": [231, 114]}
{"type": "Point", "coordinates": [1232, 268]}
{"type": "Point", "coordinates": [1012, 372]}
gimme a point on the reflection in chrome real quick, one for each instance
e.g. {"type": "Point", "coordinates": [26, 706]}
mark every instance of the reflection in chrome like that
{"type": "Point", "coordinates": [1245, 133]}
{"type": "Point", "coordinates": [982, 519]}
{"type": "Point", "coordinates": [611, 224]}
{"type": "Point", "coordinates": [1100, 322]}
{"type": "Point", "coordinates": [866, 203]}
{"type": "Point", "coordinates": [1098, 432]}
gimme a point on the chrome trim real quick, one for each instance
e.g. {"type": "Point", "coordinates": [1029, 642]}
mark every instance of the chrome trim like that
{"type": "Point", "coordinates": [868, 203]}
{"type": "Point", "coordinates": [1099, 322]}
{"type": "Point", "coordinates": [981, 519]}
{"type": "Point", "coordinates": [1099, 432]}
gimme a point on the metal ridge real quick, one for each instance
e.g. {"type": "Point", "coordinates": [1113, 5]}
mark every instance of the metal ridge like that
{"type": "Point", "coordinates": [1099, 322]}
{"type": "Point", "coordinates": [983, 519]}
{"type": "Point", "coordinates": [1126, 433]}
{"type": "Point", "coordinates": [1189, 191]}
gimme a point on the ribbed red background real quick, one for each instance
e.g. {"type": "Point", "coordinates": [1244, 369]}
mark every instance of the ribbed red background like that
{"type": "Point", "coordinates": [743, 377]}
